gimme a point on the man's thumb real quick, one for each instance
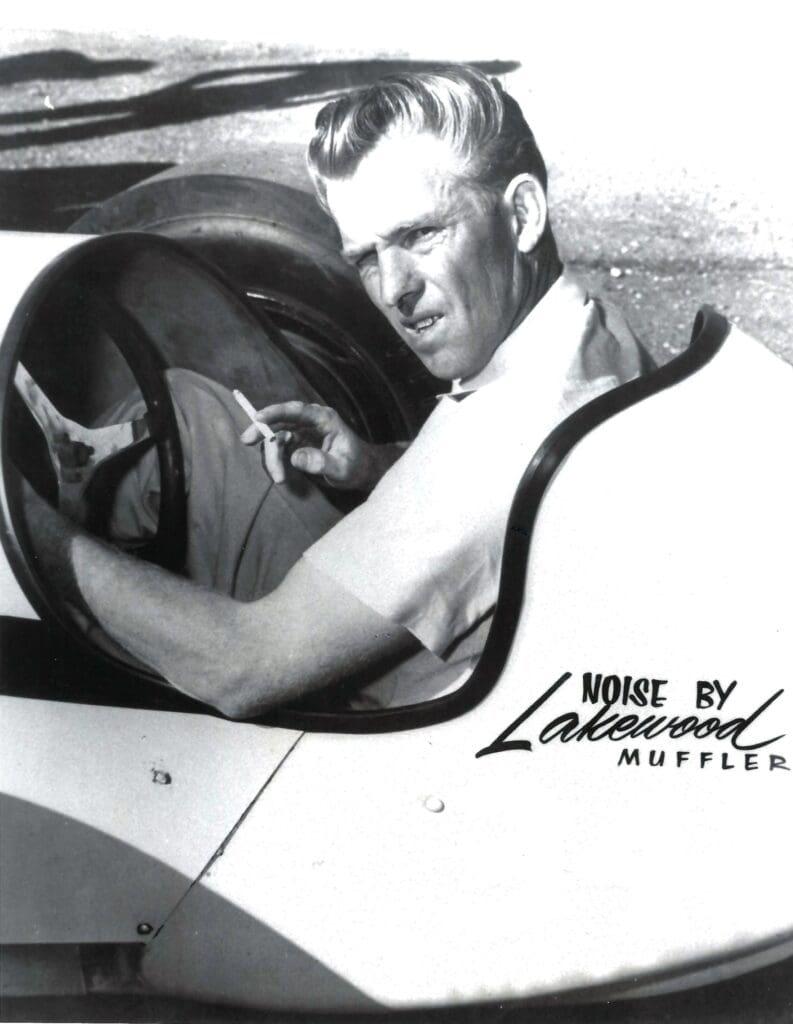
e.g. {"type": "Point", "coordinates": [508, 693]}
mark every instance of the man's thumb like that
{"type": "Point", "coordinates": [310, 460]}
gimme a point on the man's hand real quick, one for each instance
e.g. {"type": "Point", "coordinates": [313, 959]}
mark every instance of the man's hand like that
{"type": "Point", "coordinates": [320, 443]}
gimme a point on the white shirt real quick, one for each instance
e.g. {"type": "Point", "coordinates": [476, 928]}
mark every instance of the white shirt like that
{"type": "Point", "coordinates": [424, 550]}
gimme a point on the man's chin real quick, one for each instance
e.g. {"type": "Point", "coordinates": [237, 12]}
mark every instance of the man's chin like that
{"type": "Point", "coordinates": [439, 367]}
{"type": "Point", "coordinates": [445, 367]}
{"type": "Point", "coordinates": [440, 362]}
{"type": "Point", "coordinates": [447, 360]}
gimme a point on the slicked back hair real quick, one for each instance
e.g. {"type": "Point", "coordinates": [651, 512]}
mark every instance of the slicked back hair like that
{"type": "Point", "coordinates": [482, 123]}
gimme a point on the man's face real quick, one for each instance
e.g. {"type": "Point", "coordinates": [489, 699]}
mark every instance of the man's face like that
{"type": "Point", "coordinates": [437, 257]}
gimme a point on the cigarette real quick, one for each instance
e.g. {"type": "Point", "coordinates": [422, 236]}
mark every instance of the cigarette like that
{"type": "Point", "coordinates": [246, 406]}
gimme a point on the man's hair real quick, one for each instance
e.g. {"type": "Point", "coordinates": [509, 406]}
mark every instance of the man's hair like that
{"type": "Point", "coordinates": [482, 123]}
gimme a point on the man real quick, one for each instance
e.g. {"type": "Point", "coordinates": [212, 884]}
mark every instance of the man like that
{"type": "Point", "coordinates": [438, 190]}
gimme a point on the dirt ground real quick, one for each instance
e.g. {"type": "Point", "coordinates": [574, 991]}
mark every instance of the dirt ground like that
{"type": "Point", "coordinates": [660, 217]}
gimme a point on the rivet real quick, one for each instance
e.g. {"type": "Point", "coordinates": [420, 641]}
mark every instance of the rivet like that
{"type": "Point", "coordinates": [434, 804]}
{"type": "Point", "coordinates": [144, 928]}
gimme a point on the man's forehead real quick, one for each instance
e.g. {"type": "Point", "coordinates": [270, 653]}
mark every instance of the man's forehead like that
{"type": "Point", "coordinates": [405, 177]}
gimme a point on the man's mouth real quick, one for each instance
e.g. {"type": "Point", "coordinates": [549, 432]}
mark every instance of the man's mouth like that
{"type": "Point", "coordinates": [422, 324]}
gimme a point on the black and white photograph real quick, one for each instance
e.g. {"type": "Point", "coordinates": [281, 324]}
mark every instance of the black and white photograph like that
{"type": "Point", "coordinates": [396, 410]}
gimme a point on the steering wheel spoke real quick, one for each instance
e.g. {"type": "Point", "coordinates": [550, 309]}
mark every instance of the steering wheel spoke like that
{"type": "Point", "coordinates": [76, 451]}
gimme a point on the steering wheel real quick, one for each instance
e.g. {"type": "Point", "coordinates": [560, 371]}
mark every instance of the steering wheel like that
{"type": "Point", "coordinates": [120, 442]}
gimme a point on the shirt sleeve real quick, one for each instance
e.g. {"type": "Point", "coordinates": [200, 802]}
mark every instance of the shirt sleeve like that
{"type": "Point", "coordinates": [424, 550]}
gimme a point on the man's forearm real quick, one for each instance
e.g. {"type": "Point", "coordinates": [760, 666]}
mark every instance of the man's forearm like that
{"type": "Point", "coordinates": [242, 658]}
{"type": "Point", "coordinates": [195, 638]}
{"type": "Point", "coordinates": [52, 535]}
{"type": "Point", "coordinates": [199, 641]}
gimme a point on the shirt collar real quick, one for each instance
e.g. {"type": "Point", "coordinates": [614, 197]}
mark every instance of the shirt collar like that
{"type": "Point", "coordinates": [546, 340]}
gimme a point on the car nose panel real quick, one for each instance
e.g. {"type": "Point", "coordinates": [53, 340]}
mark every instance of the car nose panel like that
{"type": "Point", "coordinates": [109, 814]}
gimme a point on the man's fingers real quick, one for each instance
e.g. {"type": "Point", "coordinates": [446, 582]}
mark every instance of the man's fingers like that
{"type": "Point", "coordinates": [311, 460]}
{"type": "Point", "coordinates": [273, 452]}
{"type": "Point", "coordinates": [313, 422]}
{"type": "Point", "coordinates": [250, 435]}
{"type": "Point", "coordinates": [286, 415]}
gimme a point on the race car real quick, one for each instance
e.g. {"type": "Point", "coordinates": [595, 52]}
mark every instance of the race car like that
{"type": "Point", "coordinates": [597, 815]}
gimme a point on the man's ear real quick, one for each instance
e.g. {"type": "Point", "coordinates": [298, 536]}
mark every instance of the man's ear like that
{"type": "Point", "coordinates": [528, 208]}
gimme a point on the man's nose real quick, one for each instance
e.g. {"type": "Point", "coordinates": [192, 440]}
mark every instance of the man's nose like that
{"type": "Point", "coordinates": [400, 285]}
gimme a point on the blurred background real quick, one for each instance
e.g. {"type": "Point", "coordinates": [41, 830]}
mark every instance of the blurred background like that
{"type": "Point", "coordinates": [665, 127]}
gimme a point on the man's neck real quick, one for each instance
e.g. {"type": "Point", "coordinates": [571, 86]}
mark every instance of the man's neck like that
{"type": "Point", "coordinates": [543, 270]}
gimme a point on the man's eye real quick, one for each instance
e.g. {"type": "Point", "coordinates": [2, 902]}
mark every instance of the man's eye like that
{"type": "Point", "coordinates": [419, 234]}
{"type": "Point", "coordinates": [366, 262]}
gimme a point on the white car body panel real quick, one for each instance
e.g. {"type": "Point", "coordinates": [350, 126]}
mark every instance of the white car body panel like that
{"type": "Point", "coordinates": [139, 802]}
{"type": "Point", "coordinates": [25, 255]}
{"type": "Point", "coordinates": [402, 870]}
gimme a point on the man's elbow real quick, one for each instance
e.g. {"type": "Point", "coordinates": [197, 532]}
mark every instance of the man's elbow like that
{"type": "Point", "coordinates": [241, 696]}
{"type": "Point", "coordinates": [239, 679]}
{"type": "Point", "coordinates": [242, 706]}
{"type": "Point", "coordinates": [236, 711]}
{"type": "Point", "coordinates": [247, 670]}
{"type": "Point", "coordinates": [251, 695]}
{"type": "Point", "coordinates": [235, 691]}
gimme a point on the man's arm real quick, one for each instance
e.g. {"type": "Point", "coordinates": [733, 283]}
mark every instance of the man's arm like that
{"type": "Point", "coordinates": [241, 658]}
